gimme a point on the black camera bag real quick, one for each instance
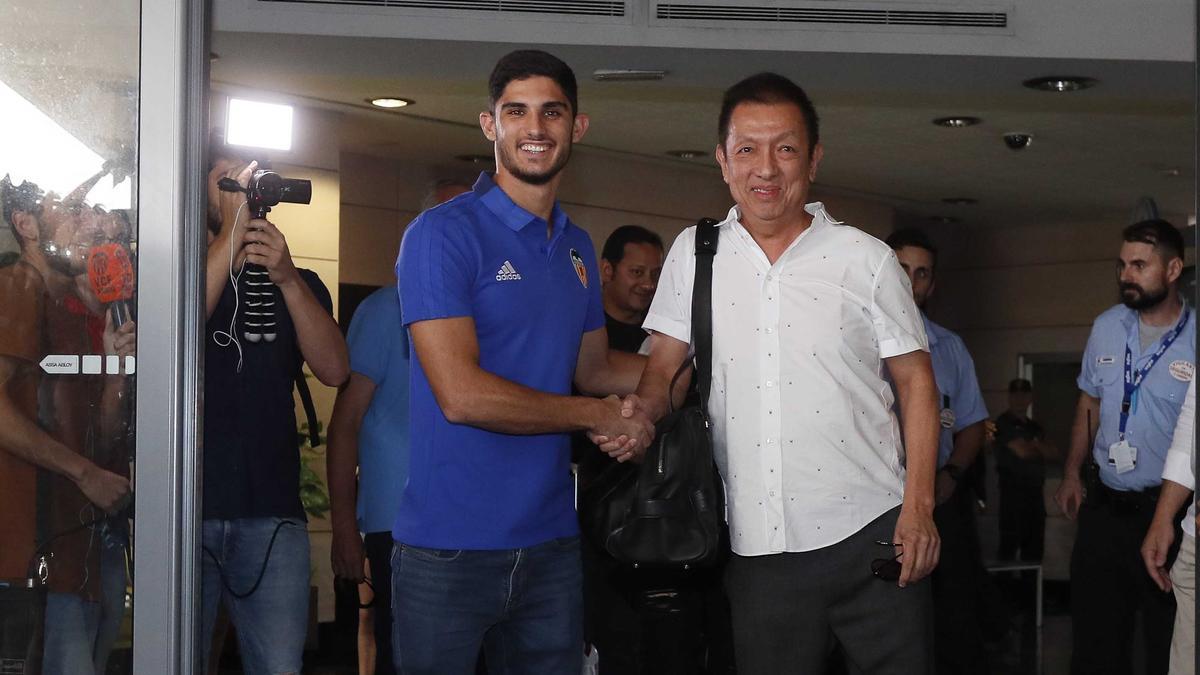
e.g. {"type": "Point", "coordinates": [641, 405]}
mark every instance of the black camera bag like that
{"type": "Point", "coordinates": [667, 512]}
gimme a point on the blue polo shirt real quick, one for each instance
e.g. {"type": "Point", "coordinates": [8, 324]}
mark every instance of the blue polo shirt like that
{"type": "Point", "coordinates": [377, 353]}
{"type": "Point", "coordinates": [1152, 418]}
{"type": "Point", "coordinates": [532, 298]}
{"type": "Point", "coordinates": [960, 403]}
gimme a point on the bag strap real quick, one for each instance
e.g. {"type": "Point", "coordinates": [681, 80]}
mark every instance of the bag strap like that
{"type": "Point", "coordinates": [310, 411]}
{"type": "Point", "coordinates": [706, 248]}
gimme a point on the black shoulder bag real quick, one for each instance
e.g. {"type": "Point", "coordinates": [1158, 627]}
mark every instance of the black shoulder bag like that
{"type": "Point", "coordinates": [668, 512]}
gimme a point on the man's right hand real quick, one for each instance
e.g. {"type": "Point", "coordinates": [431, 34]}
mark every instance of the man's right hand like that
{"type": "Point", "coordinates": [626, 432]}
{"type": "Point", "coordinates": [104, 488]}
{"type": "Point", "coordinates": [233, 205]}
{"type": "Point", "coordinates": [347, 554]}
{"type": "Point", "coordinates": [1070, 495]}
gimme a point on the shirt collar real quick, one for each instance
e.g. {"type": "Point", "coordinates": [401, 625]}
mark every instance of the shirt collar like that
{"type": "Point", "coordinates": [817, 210]}
{"type": "Point", "coordinates": [503, 207]}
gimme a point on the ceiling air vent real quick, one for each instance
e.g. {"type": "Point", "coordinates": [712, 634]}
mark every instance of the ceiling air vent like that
{"type": "Point", "coordinates": [608, 8]}
{"type": "Point", "coordinates": [824, 14]}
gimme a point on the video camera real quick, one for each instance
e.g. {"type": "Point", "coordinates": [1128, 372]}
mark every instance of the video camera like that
{"type": "Point", "coordinates": [265, 189]}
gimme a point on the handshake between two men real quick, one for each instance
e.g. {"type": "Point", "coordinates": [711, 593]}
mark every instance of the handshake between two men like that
{"type": "Point", "coordinates": [626, 431]}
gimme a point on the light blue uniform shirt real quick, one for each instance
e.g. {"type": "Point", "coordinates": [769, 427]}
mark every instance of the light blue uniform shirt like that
{"type": "Point", "coordinates": [1156, 406]}
{"type": "Point", "coordinates": [379, 351]}
{"type": "Point", "coordinates": [960, 403]}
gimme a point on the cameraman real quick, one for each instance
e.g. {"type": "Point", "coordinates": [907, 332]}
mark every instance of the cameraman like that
{"type": "Point", "coordinates": [255, 541]}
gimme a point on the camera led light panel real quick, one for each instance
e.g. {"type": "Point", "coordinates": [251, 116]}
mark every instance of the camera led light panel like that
{"type": "Point", "coordinates": [259, 125]}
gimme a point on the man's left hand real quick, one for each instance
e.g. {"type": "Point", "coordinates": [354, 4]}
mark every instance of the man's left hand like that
{"type": "Point", "coordinates": [920, 542]}
{"type": "Point", "coordinates": [266, 246]}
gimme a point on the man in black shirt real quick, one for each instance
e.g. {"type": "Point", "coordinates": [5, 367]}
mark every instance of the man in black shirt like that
{"type": "Point", "coordinates": [255, 557]}
{"type": "Point", "coordinates": [1021, 452]}
{"type": "Point", "coordinates": [630, 263]}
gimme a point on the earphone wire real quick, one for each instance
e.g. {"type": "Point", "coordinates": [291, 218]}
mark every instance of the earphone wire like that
{"type": "Point", "coordinates": [222, 338]}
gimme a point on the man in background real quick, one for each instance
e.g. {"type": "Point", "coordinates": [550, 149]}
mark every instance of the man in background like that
{"type": "Point", "coordinates": [1139, 360]}
{"type": "Point", "coordinates": [66, 425]}
{"type": "Point", "coordinates": [1021, 451]}
{"type": "Point", "coordinates": [255, 547]}
{"type": "Point", "coordinates": [630, 263]}
{"type": "Point", "coordinates": [958, 640]}
{"type": "Point", "coordinates": [368, 456]}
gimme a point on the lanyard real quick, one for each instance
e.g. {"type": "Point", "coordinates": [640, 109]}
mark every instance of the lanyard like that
{"type": "Point", "coordinates": [1133, 380]}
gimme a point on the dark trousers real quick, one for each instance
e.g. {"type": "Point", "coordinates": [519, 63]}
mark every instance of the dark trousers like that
{"type": "Point", "coordinates": [1022, 519]}
{"type": "Point", "coordinates": [791, 609]}
{"type": "Point", "coordinates": [378, 546]}
{"type": "Point", "coordinates": [1109, 586]}
{"type": "Point", "coordinates": [957, 581]}
{"type": "Point", "coordinates": [653, 622]}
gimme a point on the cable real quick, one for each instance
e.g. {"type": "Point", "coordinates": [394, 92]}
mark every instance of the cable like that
{"type": "Point", "coordinates": [231, 337]}
{"type": "Point", "coordinates": [261, 571]}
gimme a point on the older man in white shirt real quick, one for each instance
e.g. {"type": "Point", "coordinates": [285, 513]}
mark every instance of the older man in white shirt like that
{"type": "Point", "coordinates": [1179, 481]}
{"type": "Point", "coordinates": [830, 538]}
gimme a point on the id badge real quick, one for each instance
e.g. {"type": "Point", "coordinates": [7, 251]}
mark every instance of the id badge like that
{"type": "Point", "coordinates": [1122, 456]}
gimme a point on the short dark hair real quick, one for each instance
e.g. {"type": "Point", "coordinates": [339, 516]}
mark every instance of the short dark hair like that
{"type": "Point", "coordinates": [769, 88]}
{"type": "Point", "coordinates": [911, 236]}
{"type": "Point", "coordinates": [26, 197]}
{"type": "Point", "coordinates": [1020, 385]}
{"type": "Point", "coordinates": [526, 63]}
{"type": "Point", "coordinates": [1160, 234]}
{"type": "Point", "coordinates": [614, 246]}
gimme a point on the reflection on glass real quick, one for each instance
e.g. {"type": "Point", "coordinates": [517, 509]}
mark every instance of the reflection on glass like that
{"type": "Point", "coordinates": [67, 334]}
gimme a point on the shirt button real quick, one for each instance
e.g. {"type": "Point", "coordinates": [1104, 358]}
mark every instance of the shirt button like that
{"type": "Point", "coordinates": [770, 441]}
{"type": "Point", "coordinates": [770, 330]}
{"type": "Point", "coordinates": [772, 493]}
{"type": "Point", "coordinates": [768, 277]}
{"type": "Point", "coordinates": [770, 383]}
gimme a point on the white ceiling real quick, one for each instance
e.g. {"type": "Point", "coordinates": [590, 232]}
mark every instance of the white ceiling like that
{"type": "Point", "coordinates": [1094, 152]}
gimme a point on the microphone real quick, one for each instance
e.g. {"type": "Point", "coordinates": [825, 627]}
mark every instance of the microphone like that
{"type": "Point", "coordinates": [111, 276]}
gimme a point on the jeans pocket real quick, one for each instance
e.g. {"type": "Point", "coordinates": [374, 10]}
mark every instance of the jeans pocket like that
{"type": "Point", "coordinates": [429, 554]}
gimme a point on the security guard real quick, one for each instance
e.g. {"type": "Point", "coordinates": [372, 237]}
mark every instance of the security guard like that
{"type": "Point", "coordinates": [1135, 373]}
{"type": "Point", "coordinates": [958, 640]}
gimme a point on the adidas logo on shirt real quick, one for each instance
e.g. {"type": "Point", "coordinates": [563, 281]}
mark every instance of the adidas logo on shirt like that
{"type": "Point", "coordinates": [507, 272]}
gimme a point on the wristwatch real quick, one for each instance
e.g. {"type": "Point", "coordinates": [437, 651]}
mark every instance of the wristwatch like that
{"type": "Point", "coordinates": [954, 471]}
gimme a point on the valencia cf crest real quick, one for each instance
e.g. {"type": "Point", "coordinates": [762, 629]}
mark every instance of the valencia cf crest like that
{"type": "Point", "coordinates": [580, 268]}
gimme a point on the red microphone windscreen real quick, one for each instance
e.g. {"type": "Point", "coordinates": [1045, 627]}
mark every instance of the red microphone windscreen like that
{"type": "Point", "coordinates": [110, 272]}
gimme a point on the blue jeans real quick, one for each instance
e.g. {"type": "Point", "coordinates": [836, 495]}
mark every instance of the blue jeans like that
{"type": "Point", "coordinates": [525, 606]}
{"type": "Point", "coordinates": [80, 633]}
{"type": "Point", "coordinates": [272, 621]}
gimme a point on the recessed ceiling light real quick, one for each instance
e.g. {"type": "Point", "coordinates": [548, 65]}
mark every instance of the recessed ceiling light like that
{"type": "Point", "coordinates": [960, 201]}
{"type": "Point", "coordinates": [1172, 172]}
{"type": "Point", "coordinates": [390, 102]}
{"type": "Point", "coordinates": [1060, 83]}
{"type": "Point", "coordinates": [475, 159]}
{"type": "Point", "coordinates": [687, 154]}
{"type": "Point", "coordinates": [957, 121]}
{"type": "Point", "coordinates": [626, 75]}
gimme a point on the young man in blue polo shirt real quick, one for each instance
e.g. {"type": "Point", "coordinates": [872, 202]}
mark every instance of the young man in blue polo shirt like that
{"type": "Point", "coordinates": [1139, 360]}
{"type": "Point", "coordinates": [958, 640]}
{"type": "Point", "coordinates": [501, 296]}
